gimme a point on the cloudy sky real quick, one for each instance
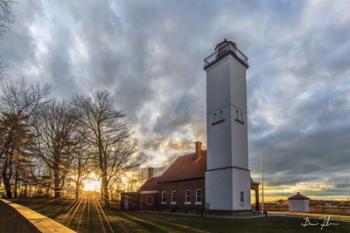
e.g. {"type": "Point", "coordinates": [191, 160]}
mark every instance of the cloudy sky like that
{"type": "Point", "coordinates": [149, 55]}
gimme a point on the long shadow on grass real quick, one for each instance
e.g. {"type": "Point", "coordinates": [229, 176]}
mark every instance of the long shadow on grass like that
{"type": "Point", "coordinates": [184, 225]}
{"type": "Point", "coordinates": [146, 225]}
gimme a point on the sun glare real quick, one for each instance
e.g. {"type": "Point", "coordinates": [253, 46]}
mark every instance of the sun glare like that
{"type": "Point", "coordinates": [92, 184]}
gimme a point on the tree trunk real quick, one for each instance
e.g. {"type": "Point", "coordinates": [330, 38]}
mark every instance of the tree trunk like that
{"type": "Point", "coordinates": [15, 188]}
{"type": "Point", "coordinates": [77, 190]}
{"type": "Point", "coordinates": [8, 191]}
{"type": "Point", "coordinates": [105, 196]}
{"type": "Point", "coordinates": [56, 174]}
{"type": "Point", "coordinates": [6, 178]}
{"type": "Point", "coordinates": [57, 187]}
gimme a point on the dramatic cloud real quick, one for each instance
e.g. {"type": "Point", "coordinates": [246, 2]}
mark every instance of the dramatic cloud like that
{"type": "Point", "coordinates": [149, 54]}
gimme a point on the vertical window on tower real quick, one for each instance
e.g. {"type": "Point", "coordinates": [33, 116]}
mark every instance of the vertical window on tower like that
{"type": "Point", "coordinates": [218, 117]}
{"type": "Point", "coordinates": [239, 117]}
{"type": "Point", "coordinates": [242, 196]}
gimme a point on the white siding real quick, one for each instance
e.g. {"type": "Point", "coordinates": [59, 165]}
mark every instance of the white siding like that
{"type": "Point", "coordinates": [299, 205]}
{"type": "Point", "coordinates": [227, 138]}
{"type": "Point", "coordinates": [218, 190]}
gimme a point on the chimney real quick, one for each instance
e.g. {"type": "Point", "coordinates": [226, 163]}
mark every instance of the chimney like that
{"type": "Point", "coordinates": [150, 172]}
{"type": "Point", "coordinates": [198, 152]}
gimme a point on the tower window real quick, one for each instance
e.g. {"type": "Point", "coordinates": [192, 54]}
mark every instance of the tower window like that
{"type": "Point", "coordinates": [242, 196]}
{"type": "Point", "coordinates": [218, 117]}
{"type": "Point", "coordinates": [239, 117]}
{"type": "Point", "coordinates": [221, 115]}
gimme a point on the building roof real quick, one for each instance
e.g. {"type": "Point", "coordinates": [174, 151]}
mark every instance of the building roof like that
{"type": "Point", "coordinates": [298, 196]}
{"type": "Point", "coordinates": [150, 184]}
{"type": "Point", "coordinates": [186, 167]}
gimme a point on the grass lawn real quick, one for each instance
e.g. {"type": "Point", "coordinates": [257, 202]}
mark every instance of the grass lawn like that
{"type": "Point", "coordinates": [88, 216]}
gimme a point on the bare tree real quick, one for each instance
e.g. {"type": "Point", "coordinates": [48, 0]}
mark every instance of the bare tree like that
{"type": "Point", "coordinates": [15, 138]}
{"type": "Point", "coordinates": [56, 126]}
{"type": "Point", "coordinates": [19, 98]}
{"type": "Point", "coordinates": [82, 161]}
{"type": "Point", "coordinates": [18, 102]}
{"type": "Point", "coordinates": [108, 136]}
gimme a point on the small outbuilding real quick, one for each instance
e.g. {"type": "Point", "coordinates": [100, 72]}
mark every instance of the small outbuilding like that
{"type": "Point", "coordinates": [299, 203]}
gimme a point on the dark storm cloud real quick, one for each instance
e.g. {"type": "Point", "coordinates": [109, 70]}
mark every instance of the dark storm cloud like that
{"type": "Point", "coordinates": [149, 56]}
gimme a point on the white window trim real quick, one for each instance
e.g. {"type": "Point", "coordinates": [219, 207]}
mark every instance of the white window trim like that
{"type": "Point", "coordinates": [198, 203]}
{"type": "Point", "coordinates": [187, 202]}
{"type": "Point", "coordinates": [171, 197]}
{"type": "Point", "coordinates": [162, 197]}
{"type": "Point", "coordinates": [197, 196]}
{"type": "Point", "coordinates": [173, 202]}
{"type": "Point", "coordinates": [163, 202]}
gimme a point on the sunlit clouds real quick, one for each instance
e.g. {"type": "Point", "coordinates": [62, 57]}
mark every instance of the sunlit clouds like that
{"type": "Point", "coordinates": [149, 55]}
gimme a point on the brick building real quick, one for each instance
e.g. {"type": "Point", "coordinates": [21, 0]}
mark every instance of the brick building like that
{"type": "Point", "coordinates": [181, 186]}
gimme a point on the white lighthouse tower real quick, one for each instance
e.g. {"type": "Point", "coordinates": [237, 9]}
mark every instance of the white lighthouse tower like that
{"type": "Point", "coordinates": [227, 179]}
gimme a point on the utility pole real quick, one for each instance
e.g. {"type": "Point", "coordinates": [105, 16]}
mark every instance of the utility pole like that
{"type": "Point", "coordinates": [262, 182]}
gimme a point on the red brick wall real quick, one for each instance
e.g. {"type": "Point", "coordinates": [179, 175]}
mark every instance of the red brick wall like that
{"type": "Point", "coordinates": [180, 187]}
{"type": "Point", "coordinates": [132, 199]}
{"type": "Point", "coordinates": [140, 199]}
{"type": "Point", "coordinates": [146, 206]}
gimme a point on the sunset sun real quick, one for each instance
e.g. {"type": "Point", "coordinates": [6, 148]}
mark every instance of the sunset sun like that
{"type": "Point", "coordinates": [92, 184]}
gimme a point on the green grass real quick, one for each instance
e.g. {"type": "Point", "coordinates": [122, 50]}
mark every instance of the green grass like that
{"type": "Point", "coordinates": [88, 216]}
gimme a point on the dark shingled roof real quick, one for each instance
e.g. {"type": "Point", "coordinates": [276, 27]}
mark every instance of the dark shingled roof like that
{"type": "Point", "coordinates": [186, 167]}
{"type": "Point", "coordinates": [183, 168]}
{"type": "Point", "coordinates": [150, 184]}
{"type": "Point", "coordinates": [298, 196]}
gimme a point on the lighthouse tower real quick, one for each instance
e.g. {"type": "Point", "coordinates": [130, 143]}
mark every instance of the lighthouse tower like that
{"type": "Point", "coordinates": [227, 179]}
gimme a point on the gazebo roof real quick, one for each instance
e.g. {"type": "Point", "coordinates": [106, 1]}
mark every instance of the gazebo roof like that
{"type": "Point", "coordinates": [298, 196]}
